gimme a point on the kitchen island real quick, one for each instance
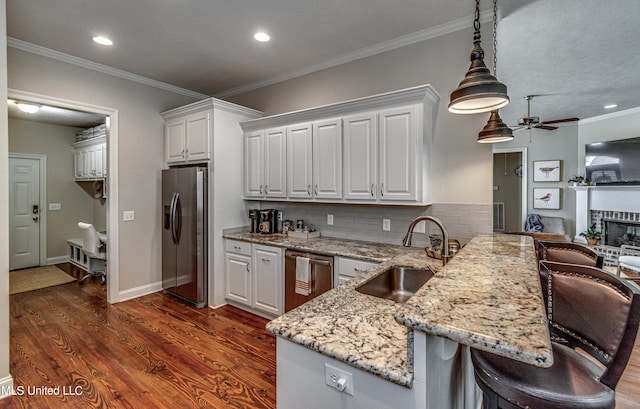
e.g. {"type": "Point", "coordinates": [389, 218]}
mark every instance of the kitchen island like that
{"type": "Point", "coordinates": [416, 354]}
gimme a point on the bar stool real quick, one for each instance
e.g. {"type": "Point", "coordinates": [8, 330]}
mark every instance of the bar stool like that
{"type": "Point", "coordinates": [572, 253]}
{"type": "Point", "coordinates": [587, 309]}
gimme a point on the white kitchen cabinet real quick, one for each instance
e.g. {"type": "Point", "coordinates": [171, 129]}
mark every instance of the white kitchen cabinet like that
{"type": "Point", "coordinates": [254, 277]}
{"type": "Point", "coordinates": [347, 268]}
{"type": "Point", "coordinates": [265, 164]}
{"type": "Point", "coordinates": [90, 159]}
{"type": "Point", "coordinates": [268, 283]}
{"type": "Point", "coordinates": [299, 161]}
{"type": "Point", "coordinates": [327, 159]}
{"type": "Point", "coordinates": [187, 138]}
{"type": "Point", "coordinates": [384, 157]}
{"type": "Point", "coordinates": [360, 156]}
{"type": "Point", "coordinates": [238, 272]}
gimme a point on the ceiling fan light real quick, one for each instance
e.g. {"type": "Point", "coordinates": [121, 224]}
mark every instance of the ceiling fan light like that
{"type": "Point", "coordinates": [495, 130]}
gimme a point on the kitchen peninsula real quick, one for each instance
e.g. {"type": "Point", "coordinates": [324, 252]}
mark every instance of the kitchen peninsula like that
{"type": "Point", "coordinates": [415, 354]}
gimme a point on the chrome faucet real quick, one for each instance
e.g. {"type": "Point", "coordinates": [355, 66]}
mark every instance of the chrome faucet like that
{"type": "Point", "coordinates": [445, 235]}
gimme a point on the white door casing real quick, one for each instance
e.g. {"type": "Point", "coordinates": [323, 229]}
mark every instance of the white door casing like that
{"type": "Point", "coordinates": [26, 200]}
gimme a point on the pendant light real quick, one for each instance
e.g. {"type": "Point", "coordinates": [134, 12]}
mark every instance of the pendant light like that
{"type": "Point", "coordinates": [479, 91]}
{"type": "Point", "coordinates": [495, 130]}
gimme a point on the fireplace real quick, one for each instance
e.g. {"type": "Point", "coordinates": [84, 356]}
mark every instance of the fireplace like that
{"type": "Point", "coordinates": [619, 232]}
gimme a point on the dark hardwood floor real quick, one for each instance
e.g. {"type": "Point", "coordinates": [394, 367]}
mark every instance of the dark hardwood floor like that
{"type": "Point", "coordinates": [154, 352]}
{"type": "Point", "coordinates": [151, 352]}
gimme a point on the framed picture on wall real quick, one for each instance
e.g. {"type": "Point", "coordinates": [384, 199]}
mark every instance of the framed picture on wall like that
{"type": "Point", "coordinates": [546, 171]}
{"type": "Point", "coordinates": [546, 198]}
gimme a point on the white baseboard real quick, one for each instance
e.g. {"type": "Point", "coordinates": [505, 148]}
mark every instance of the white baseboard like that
{"type": "Point", "coordinates": [6, 387]}
{"type": "Point", "coordinates": [57, 260]}
{"type": "Point", "coordinates": [139, 291]}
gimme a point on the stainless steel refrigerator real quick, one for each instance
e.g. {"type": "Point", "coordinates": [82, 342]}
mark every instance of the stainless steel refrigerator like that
{"type": "Point", "coordinates": [184, 233]}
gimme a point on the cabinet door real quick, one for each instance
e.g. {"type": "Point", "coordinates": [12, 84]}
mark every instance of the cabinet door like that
{"type": "Point", "coordinates": [78, 164]}
{"type": "Point", "coordinates": [299, 156]}
{"type": "Point", "coordinates": [254, 164]}
{"type": "Point", "coordinates": [174, 134]}
{"type": "Point", "coordinates": [275, 168]}
{"type": "Point", "coordinates": [98, 164]}
{"type": "Point", "coordinates": [398, 149]}
{"type": "Point", "coordinates": [268, 279]}
{"type": "Point", "coordinates": [327, 159]}
{"type": "Point", "coordinates": [197, 136]}
{"type": "Point", "coordinates": [238, 276]}
{"type": "Point", "coordinates": [360, 157]}
{"type": "Point", "coordinates": [346, 268]}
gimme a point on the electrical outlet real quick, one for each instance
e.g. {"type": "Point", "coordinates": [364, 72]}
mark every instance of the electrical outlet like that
{"type": "Point", "coordinates": [330, 219]}
{"type": "Point", "coordinates": [339, 379]}
{"type": "Point", "coordinates": [128, 216]}
{"type": "Point", "coordinates": [55, 206]}
{"type": "Point", "coordinates": [386, 224]}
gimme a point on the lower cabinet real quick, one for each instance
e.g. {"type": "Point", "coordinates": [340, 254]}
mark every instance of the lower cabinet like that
{"type": "Point", "coordinates": [347, 268]}
{"type": "Point", "coordinates": [255, 277]}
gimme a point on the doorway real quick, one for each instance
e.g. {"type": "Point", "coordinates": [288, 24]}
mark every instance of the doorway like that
{"type": "Point", "coordinates": [509, 189]}
{"type": "Point", "coordinates": [111, 118]}
{"type": "Point", "coordinates": [27, 220]}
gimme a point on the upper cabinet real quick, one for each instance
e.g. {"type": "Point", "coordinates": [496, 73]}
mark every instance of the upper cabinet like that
{"type": "Point", "coordinates": [369, 150]}
{"type": "Point", "coordinates": [189, 130]}
{"type": "Point", "coordinates": [90, 159]}
{"type": "Point", "coordinates": [187, 138]}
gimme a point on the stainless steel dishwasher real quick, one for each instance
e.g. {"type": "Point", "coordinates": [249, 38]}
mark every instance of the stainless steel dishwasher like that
{"type": "Point", "coordinates": [321, 270]}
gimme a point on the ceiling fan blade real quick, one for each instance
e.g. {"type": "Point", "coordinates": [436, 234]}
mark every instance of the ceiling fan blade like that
{"type": "Point", "coordinates": [557, 121]}
{"type": "Point", "coordinates": [546, 128]}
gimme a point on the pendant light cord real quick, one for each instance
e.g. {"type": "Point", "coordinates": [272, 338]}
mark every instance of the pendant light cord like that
{"type": "Point", "coordinates": [495, 41]}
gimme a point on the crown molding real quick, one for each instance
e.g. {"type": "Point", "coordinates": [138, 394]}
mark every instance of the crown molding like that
{"type": "Point", "coordinates": [398, 42]}
{"type": "Point", "coordinates": [104, 69]}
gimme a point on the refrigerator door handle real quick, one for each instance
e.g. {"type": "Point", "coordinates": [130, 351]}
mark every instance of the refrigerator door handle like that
{"type": "Point", "coordinates": [177, 220]}
{"type": "Point", "coordinates": [172, 218]}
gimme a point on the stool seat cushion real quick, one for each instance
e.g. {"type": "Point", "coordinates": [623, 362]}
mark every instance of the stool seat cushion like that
{"type": "Point", "coordinates": [571, 382]}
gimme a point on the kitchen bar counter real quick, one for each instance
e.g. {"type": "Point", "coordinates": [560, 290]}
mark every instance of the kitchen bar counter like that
{"type": "Point", "coordinates": [488, 297]}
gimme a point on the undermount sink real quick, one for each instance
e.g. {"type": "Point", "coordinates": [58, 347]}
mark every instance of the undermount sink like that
{"type": "Point", "coordinates": [396, 283]}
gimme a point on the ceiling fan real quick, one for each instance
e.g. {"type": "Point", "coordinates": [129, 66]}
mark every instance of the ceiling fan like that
{"type": "Point", "coordinates": [529, 122]}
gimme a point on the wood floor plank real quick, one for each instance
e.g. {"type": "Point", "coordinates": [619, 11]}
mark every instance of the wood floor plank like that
{"type": "Point", "coordinates": [154, 352]}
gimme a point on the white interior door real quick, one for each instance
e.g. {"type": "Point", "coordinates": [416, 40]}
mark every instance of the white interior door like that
{"type": "Point", "coordinates": [24, 212]}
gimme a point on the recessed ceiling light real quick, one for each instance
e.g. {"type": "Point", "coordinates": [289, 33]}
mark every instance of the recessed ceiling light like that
{"type": "Point", "coordinates": [610, 106]}
{"type": "Point", "coordinates": [102, 40]}
{"type": "Point", "coordinates": [262, 37]}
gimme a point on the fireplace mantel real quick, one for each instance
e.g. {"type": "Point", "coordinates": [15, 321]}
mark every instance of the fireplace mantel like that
{"type": "Point", "coordinates": [611, 198]}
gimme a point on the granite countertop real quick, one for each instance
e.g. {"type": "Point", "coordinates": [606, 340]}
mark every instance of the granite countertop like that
{"type": "Point", "coordinates": [488, 296]}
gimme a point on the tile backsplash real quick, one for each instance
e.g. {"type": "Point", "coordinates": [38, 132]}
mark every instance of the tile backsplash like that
{"type": "Point", "coordinates": [364, 222]}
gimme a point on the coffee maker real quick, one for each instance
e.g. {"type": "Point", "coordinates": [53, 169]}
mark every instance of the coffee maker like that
{"type": "Point", "coordinates": [268, 221]}
{"type": "Point", "coordinates": [254, 221]}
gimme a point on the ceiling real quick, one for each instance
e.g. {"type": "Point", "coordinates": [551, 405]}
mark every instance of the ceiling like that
{"type": "Point", "coordinates": [577, 54]}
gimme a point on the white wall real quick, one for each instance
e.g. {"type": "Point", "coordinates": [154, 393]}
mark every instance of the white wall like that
{"type": "Point", "coordinates": [140, 148]}
{"type": "Point", "coordinates": [5, 376]}
{"type": "Point", "coordinates": [461, 167]}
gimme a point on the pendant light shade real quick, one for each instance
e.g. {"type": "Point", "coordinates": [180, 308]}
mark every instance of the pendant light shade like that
{"type": "Point", "coordinates": [495, 130]}
{"type": "Point", "coordinates": [479, 91]}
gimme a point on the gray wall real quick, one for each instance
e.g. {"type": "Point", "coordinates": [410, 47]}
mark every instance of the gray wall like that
{"type": "Point", "coordinates": [560, 144]}
{"type": "Point", "coordinates": [507, 188]}
{"type": "Point", "coordinates": [140, 149]}
{"type": "Point", "coordinates": [77, 199]}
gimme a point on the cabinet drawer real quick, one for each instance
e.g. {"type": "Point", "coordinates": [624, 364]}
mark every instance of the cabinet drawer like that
{"type": "Point", "coordinates": [239, 247]}
{"type": "Point", "coordinates": [351, 267]}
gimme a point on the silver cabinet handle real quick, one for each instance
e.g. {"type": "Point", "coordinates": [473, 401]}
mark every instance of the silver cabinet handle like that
{"type": "Point", "coordinates": [358, 270]}
{"type": "Point", "coordinates": [382, 189]}
{"type": "Point", "coordinates": [248, 270]}
{"type": "Point", "coordinates": [309, 190]}
{"type": "Point", "coordinates": [261, 189]}
{"type": "Point", "coordinates": [266, 189]}
{"type": "Point", "coordinates": [373, 192]}
{"type": "Point", "coordinates": [237, 247]}
{"type": "Point", "coordinates": [315, 190]}
{"type": "Point", "coordinates": [266, 260]}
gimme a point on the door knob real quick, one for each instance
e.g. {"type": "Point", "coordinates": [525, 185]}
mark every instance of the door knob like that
{"type": "Point", "coordinates": [35, 218]}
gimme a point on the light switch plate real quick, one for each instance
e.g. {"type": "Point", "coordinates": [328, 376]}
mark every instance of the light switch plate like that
{"type": "Point", "coordinates": [420, 227]}
{"type": "Point", "coordinates": [386, 224]}
{"type": "Point", "coordinates": [128, 216]}
{"type": "Point", "coordinates": [330, 219]}
{"type": "Point", "coordinates": [55, 206]}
